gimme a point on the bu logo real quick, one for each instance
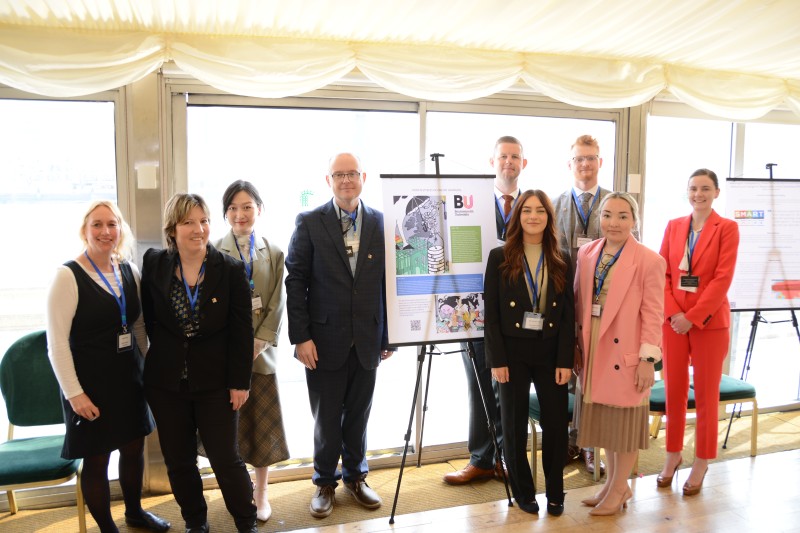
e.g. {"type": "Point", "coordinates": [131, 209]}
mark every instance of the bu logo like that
{"type": "Point", "coordinates": [460, 202]}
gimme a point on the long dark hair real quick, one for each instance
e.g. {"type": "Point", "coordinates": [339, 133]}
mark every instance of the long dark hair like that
{"type": "Point", "coordinates": [514, 248]}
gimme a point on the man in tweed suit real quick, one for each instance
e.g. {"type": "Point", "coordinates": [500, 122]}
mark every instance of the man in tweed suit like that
{"type": "Point", "coordinates": [337, 322]}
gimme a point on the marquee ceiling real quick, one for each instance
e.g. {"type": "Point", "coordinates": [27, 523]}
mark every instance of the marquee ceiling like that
{"type": "Point", "coordinates": [737, 59]}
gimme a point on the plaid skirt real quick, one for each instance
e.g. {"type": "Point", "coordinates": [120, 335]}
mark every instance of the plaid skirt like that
{"type": "Point", "coordinates": [262, 438]}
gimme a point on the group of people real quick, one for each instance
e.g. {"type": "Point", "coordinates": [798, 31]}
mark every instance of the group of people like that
{"type": "Point", "coordinates": [571, 292]}
{"type": "Point", "coordinates": [190, 343]}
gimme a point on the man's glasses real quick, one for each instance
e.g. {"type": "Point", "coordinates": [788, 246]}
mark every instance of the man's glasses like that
{"type": "Point", "coordinates": [587, 158]}
{"type": "Point", "coordinates": [341, 176]}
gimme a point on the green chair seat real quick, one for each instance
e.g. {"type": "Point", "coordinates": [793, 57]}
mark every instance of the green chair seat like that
{"type": "Point", "coordinates": [535, 410]}
{"type": "Point", "coordinates": [34, 460]}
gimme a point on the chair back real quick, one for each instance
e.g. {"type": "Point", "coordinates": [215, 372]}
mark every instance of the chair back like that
{"type": "Point", "coordinates": [29, 386]}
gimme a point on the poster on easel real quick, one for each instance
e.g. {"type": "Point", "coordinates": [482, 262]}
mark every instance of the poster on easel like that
{"type": "Point", "coordinates": [767, 275]}
{"type": "Point", "coordinates": [439, 230]}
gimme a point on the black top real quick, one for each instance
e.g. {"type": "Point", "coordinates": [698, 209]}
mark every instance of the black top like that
{"type": "Point", "coordinates": [111, 379]}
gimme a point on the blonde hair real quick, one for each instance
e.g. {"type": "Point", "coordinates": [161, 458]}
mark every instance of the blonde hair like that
{"type": "Point", "coordinates": [619, 195]}
{"type": "Point", "coordinates": [126, 244]}
{"type": "Point", "coordinates": [176, 211]}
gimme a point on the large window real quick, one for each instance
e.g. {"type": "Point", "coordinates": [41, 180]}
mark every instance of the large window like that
{"type": "Point", "coordinates": [675, 148]}
{"type": "Point", "coordinates": [285, 151]}
{"type": "Point", "coordinates": [55, 157]}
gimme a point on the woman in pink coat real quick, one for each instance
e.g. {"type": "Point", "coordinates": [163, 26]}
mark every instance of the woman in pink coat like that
{"type": "Point", "coordinates": [619, 308]}
{"type": "Point", "coordinates": [700, 250]}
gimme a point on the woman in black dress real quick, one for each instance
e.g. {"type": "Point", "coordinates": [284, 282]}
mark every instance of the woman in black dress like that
{"type": "Point", "coordinates": [96, 339]}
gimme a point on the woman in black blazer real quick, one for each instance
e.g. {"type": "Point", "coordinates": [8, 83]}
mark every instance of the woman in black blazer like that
{"type": "Point", "coordinates": [530, 337]}
{"type": "Point", "coordinates": [196, 304]}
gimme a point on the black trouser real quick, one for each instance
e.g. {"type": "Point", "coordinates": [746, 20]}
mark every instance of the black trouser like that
{"type": "Point", "coordinates": [179, 417]}
{"type": "Point", "coordinates": [514, 401]}
{"type": "Point", "coordinates": [479, 440]}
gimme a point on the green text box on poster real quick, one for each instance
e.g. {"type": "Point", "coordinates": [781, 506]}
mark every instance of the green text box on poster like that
{"type": "Point", "coordinates": [465, 243]}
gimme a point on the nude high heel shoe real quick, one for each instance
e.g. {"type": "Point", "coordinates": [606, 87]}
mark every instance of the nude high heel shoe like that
{"type": "Point", "coordinates": [666, 481]}
{"type": "Point", "coordinates": [692, 490]}
{"type": "Point", "coordinates": [593, 501]}
{"type": "Point", "coordinates": [608, 511]}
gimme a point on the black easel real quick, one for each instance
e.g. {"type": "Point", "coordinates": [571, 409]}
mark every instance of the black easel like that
{"type": "Point", "coordinates": [748, 356]}
{"type": "Point", "coordinates": [420, 361]}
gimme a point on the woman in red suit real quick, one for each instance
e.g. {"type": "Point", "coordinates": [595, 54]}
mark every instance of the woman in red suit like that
{"type": "Point", "coordinates": [619, 308]}
{"type": "Point", "coordinates": [700, 250]}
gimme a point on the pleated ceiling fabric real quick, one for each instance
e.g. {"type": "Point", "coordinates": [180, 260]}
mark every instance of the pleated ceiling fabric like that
{"type": "Point", "coordinates": [733, 59]}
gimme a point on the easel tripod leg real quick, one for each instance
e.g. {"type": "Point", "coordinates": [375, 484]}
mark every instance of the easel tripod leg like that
{"type": "Point", "coordinates": [420, 361]}
{"type": "Point", "coordinates": [489, 421]}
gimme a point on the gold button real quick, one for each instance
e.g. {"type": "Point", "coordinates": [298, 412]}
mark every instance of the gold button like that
{"type": "Point", "coordinates": [551, 324]}
{"type": "Point", "coordinates": [517, 324]}
{"type": "Point", "coordinates": [512, 304]}
{"type": "Point", "coordinates": [554, 304]}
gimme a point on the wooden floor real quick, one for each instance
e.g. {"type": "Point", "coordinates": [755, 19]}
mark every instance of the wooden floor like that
{"type": "Point", "coordinates": [739, 496]}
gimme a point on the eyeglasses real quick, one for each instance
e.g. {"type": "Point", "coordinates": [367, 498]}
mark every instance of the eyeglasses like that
{"type": "Point", "coordinates": [340, 176]}
{"type": "Point", "coordinates": [587, 158]}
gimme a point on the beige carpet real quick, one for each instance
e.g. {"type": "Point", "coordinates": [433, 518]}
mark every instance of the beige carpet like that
{"type": "Point", "coordinates": [422, 488]}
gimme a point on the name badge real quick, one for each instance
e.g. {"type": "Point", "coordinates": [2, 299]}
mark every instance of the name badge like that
{"type": "Point", "coordinates": [533, 321]}
{"type": "Point", "coordinates": [581, 240]}
{"type": "Point", "coordinates": [689, 283]}
{"type": "Point", "coordinates": [597, 309]}
{"type": "Point", "coordinates": [255, 302]}
{"type": "Point", "coordinates": [124, 342]}
{"type": "Point", "coordinates": [351, 247]}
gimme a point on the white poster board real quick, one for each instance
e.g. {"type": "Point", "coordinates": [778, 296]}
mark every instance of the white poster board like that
{"type": "Point", "coordinates": [438, 231]}
{"type": "Point", "coordinates": [767, 275]}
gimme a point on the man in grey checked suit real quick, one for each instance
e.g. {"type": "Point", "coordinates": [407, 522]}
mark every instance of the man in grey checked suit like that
{"type": "Point", "coordinates": [337, 322]}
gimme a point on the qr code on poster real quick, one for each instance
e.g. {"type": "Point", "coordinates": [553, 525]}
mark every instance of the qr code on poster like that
{"type": "Point", "coordinates": [416, 325]}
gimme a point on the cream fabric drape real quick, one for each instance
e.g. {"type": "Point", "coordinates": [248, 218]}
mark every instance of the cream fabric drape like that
{"type": "Point", "coordinates": [590, 53]}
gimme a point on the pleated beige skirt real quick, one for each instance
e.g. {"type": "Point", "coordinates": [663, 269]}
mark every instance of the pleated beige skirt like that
{"type": "Point", "coordinates": [619, 429]}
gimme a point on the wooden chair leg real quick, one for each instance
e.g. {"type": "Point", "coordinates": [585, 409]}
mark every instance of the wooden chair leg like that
{"type": "Point", "coordinates": [534, 446]}
{"type": "Point", "coordinates": [655, 426]}
{"type": "Point", "coordinates": [754, 430]}
{"type": "Point", "coordinates": [12, 502]}
{"type": "Point", "coordinates": [80, 503]}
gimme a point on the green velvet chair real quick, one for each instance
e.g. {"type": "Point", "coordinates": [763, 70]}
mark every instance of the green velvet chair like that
{"type": "Point", "coordinates": [534, 415]}
{"type": "Point", "coordinates": [731, 391]}
{"type": "Point", "coordinates": [33, 398]}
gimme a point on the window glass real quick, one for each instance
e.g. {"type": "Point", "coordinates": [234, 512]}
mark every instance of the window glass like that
{"type": "Point", "coordinates": [467, 140]}
{"type": "Point", "coordinates": [284, 153]}
{"type": "Point", "coordinates": [675, 148]}
{"type": "Point", "coordinates": [55, 158]}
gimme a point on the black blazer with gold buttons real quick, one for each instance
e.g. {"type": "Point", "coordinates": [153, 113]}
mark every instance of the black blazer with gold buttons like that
{"type": "Point", "coordinates": [505, 306]}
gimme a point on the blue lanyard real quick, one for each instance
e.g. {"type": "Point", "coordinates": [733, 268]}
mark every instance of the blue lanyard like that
{"type": "Point", "coordinates": [692, 242]}
{"type": "Point", "coordinates": [192, 297]}
{"type": "Point", "coordinates": [247, 267]}
{"type": "Point", "coordinates": [599, 280]}
{"type": "Point", "coordinates": [121, 298]}
{"type": "Point", "coordinates": [352, 216]}
{"type": "Point", "coordinates": [585, 216]}
{"type": "Point", "coordinates": [505, 217]}
{"type": "Point", "coordinates": [532, 281]}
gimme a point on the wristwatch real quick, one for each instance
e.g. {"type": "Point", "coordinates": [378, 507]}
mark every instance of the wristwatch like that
{"type": "Point", "coordinates": [648, 359]}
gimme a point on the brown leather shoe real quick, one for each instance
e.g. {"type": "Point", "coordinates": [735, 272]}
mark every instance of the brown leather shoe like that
{"type": "Point", "coordinates": [573, 452]}
{"type": "Point", "coordinates": [363, 493]}
{"type": "Point", "coordinates": [468, 474]}
{"type": "Point", "coordinates": [499, 470]}
{"type": "Point", "coordinates": [322, 501]}
{"type": "Point", "coordinates": [588, 459]}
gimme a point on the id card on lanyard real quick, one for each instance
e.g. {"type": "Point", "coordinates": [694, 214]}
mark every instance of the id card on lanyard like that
{"type": "Point", "coordinates": [124, 337]}
{"type": "Point", "coordinates": [600, 279]}
{"type": "Point", "coordinates": [255, 298]}
{"type": "Point", "coordinates": [533, 320]}
{"type": "Point", "coordinates": [688, 282]}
